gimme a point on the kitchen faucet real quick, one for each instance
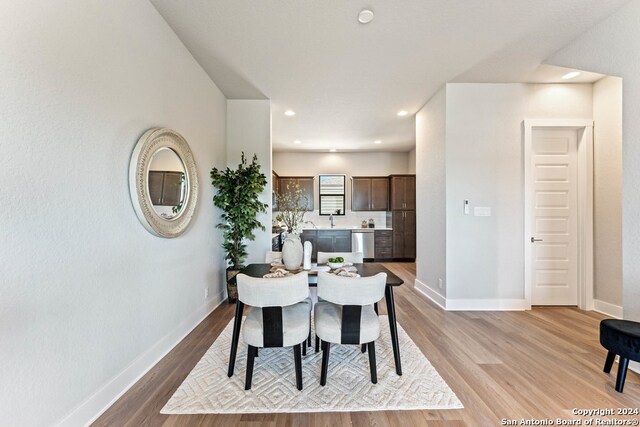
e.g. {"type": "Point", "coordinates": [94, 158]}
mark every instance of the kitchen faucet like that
{"type": "Point", "coordinates": [331, 219]}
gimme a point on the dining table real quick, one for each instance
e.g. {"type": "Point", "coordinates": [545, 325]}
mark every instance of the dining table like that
{"type": "Point", "coordinates": [364, 270]}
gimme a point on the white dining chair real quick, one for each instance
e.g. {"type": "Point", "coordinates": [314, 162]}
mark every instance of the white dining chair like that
{"type": "Point", "coordinates": [352, 257]}
{"type": "Point", "coordinates": [280, 317]}
{"type": "Point", "coordinates": [346, 315]}
{"type": "Point", "coordinates": [349, 257]}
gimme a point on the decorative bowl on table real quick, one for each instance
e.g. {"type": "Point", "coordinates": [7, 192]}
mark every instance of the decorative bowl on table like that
{"type": "Point", "coordinates": [336, 262]}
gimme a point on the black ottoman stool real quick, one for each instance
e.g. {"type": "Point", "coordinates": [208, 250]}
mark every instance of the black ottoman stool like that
{"type": "Point", "coordinates": [622, 338]}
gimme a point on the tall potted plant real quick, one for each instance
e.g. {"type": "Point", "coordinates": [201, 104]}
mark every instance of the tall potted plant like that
{"type": "Point", "coordinates": [237, 195]}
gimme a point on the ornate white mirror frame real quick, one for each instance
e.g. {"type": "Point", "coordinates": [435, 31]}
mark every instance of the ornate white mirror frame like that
{"type": "Point", "coordinates": [148, 145]}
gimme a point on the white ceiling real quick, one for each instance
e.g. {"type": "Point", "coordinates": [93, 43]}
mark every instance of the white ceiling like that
{"type": "Point", "coordinates": [553, 74]}
{"type": "Point", "coordinates": [346, 81]}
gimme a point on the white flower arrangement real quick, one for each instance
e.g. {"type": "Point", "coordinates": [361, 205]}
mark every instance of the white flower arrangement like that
{"type": "Point", "coordinates": [292, 205]}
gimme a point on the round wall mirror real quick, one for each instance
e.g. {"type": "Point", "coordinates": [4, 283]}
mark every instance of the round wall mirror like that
{"type": "Point", "coordinates": [163, 182]}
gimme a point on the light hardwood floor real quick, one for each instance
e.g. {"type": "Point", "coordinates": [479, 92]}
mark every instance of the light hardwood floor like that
{"type": "Point", "coordinates": [536, 364]}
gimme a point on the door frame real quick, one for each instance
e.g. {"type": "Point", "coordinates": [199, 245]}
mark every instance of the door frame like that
{"type": "Point", "coordinates": [585, 204]}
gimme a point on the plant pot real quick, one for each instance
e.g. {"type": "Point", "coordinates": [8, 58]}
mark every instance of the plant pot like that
{"type": "Point", "coordinates": [292, 252]}
{"type": "Point", "coordinates": [232, 285]}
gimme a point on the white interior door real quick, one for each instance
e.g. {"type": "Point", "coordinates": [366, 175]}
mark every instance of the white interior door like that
{"type": "Point", "coordinates": [554, 225]}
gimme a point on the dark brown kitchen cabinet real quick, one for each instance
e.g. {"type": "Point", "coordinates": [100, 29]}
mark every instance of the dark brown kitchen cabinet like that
{"type": "Point", "coordinates": [370, 194]}
{"type": "Point", "coordinates": [327, 241]}
{"type": "Point", "coordinates": [403, 192]}
{"type": "Point", "coordinates": [334, 241]}
{"type": "Point", "coordinates": [305, 183]}
{"type": "Point", "coordinates": [383, 244]}
{"type": "Point", "coordinates": [404, 234]}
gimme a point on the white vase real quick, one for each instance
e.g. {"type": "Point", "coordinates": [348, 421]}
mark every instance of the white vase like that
{"type": "Point", "coordinates": [292, 252]}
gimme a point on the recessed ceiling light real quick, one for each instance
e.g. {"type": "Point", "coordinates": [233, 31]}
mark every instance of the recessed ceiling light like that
{"type": "Point", "coordinates": [402, 113]}
{"type": "Point", "coordinates": [377, 142]}
{"type": "Point", "coordinates": [365, 16]}
{"type": "Point", "coordinates": [297, 141]}
{"type": "Point", "coordinates": [571, 75]}
{"type": "Point", "coordinates": [333, 150]}
{"type": "Point", "coordinates": [289, 113]}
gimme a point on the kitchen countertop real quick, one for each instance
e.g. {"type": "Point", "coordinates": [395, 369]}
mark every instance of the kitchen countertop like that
{"type": "Point", "coordinates": [356, 229]}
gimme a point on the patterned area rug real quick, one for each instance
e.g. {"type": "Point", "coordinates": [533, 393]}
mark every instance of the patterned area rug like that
{"type": "Point", "coordinates": [208, 390]}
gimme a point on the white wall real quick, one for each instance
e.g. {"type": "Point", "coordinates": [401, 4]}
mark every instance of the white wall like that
{"type": "Point", "coordinates": [431, 193]}
{"type": "Point", "coordinates": [350, 164]}
{"type": "Point", "coordinates": [88, 298]}
{"type": "Point", "coordinates": [411, 161]}
{"type": "Point", "coordinates": [483, 164]}
{"type": "Point", "coordinates": [613, 47]}
{"type": "Point", "coordinates": [249, 130]}
{"type": "Point", "coordinates": [607, 197]}
{"type": "Point", "coordinates": [485, 255]}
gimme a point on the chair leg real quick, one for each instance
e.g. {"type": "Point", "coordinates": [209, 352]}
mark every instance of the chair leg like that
{"type": "Point", "coordinates": [257, 354]}
{"type": "Point", "coordinates": [372, 362]}
{"type": "Point", "coordinates": [297, 358]}
{"type": "Point", "coordinates": [251, 354]}
{"type": "Point", "coordinates": [364, 348]}
{"type": "Point", "coordinates": [608, 363]}
{"type": "Point", "coordinates": [325, 362]}
{"type": "Point", "coordinates": [317, 344]}
{"type": "Point", "coordinates": [304, 348]}
{"type": "Point", "coordinates": [623, 364]}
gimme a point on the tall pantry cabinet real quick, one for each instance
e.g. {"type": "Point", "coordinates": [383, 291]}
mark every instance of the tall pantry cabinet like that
{"type": "Point", "coordinates": [402, 198]}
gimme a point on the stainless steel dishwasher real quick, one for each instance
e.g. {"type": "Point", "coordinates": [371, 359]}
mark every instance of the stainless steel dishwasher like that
{"type": "Point", "coordinates": [362, 240]}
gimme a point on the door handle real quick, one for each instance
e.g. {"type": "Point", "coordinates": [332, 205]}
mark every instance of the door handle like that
{"type": "Point", "coordinates": [533, 240]}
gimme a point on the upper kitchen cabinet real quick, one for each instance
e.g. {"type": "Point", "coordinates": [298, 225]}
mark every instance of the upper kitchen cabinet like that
{"type": "Point", "coordinates": [370, 193]}
{"type": "Point", "coordinates": [403, 192]}
{"type": "Point", "coordinates": [305, 183]}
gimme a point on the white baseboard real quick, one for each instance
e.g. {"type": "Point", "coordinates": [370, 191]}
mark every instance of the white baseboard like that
{"type": "Point", "coordinates": [486, 304]}
{"type": "Point", "coordinates": [89, 410]}
{"type": "Point", "coordinates": [607, 308]}
{"type": "Point", "coordinates": [470, 304]}
{"type": "Point", "coordinates": [431, 294]}
{"type": "Point", "coordinates": [634, 366]}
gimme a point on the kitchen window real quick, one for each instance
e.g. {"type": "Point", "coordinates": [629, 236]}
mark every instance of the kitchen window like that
{"type": "Point", "coordinates": [332, 194]}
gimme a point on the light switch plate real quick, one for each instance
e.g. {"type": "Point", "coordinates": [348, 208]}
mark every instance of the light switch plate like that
{"type": "Point", "coordinates": [481, 211]}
